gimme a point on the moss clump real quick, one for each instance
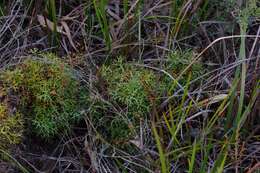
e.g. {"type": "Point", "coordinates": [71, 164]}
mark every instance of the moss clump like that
{"type": "Point", "coordinates": [11, 127]}
{"type": "Point", "coordinates": [47, 92]}
{"type": "Point", "coordinates": [129, 86]}
{"type": "Point", "coordinates": [129, 90]}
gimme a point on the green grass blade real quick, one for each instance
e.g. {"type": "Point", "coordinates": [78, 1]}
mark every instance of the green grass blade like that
{"type": "Point", "coordinates": [162, 156]}
{"type": "Point", "coordinates": [2, 8]}
{"type": "Point", "coordinates": [125, 6]}
{"type": "Point", "coordinates": [242, 56]}
{"type": "Point", "coordinates": [248, 108]}
{"type": "Point", "coordinates": [51, 7]}
{"type": "Point", "coordinates": [100, 8]}
{"type": "Point", "coordinates": [192, 159]}
{"type": "Point", "coordinates": [6, 156]}
{"type": "Point", "coordinates": [206, 150]}
{"type": "Point", "coordinates": [220, 162]}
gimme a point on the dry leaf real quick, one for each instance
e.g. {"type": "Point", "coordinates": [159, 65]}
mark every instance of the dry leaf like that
{"type": "Point", "coordinates": [137, 143]}
{"type": "Point", "coordinates": [67, 31]}
{"type": "Point", "coordinates": [217, 98]}
{"type": "Point", "coordinates": [49, 24]}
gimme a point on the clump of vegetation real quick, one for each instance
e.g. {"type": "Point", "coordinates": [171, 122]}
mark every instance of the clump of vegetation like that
{"type": "Point", "coordinates": [132, 91]}
{"type": "Point", "coordinates": [11, 127]}
{"type": "Point", "coordinates": [129, 89]}
{"type": "Point", "coordinates": [179, 60]}
{"type": "Point", "coordinates": [130, 86]}
{"type": "Point", "coordinates": [175, 64]}
{"type": "Point", "coordinates": [47, 93]}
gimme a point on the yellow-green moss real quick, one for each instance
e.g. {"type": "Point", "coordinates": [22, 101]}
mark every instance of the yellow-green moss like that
{"type": "Point", "coordinates": [11, 127]}
{"type": "Point", "coordinates": [47, 92]}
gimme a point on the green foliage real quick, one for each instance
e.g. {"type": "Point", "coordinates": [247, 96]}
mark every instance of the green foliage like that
{"type": "Point", "coordinates": [132, 91]}
{"type": "Point", "coordinates": [47, 92]}
{"type": "Point", "coordinates": [51, 8]}
{"type": "Point", "coordinates": [176, 62]}
{"type": "Point", "coordinates": [113, 127]}
{"type": "Point", "coordinates": [11, 127]}
{"type": "Point", "coordinates": [164, 166]}
{"type": "Point", "coordinates": [100, 9]}
{"type": "Point", "coordinates": [2, 8]}
{"type": "Point", "coordinates": [129, 89]}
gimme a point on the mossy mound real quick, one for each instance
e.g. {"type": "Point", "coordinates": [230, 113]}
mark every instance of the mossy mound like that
{"type": "Point", "coordinates": [130, 92]}
{"type": "Point", "coordinates": [47, 94]}
{"type": "Point", "coordinates": [129, 89]}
